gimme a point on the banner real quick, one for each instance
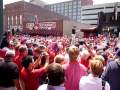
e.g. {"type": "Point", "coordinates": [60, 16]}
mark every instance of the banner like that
{"type": "Point", "coordinates": [41, 25]}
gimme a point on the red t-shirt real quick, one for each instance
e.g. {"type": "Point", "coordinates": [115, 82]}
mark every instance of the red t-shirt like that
{"type": "Point", "coordinates": [31, 79]}
{"type": "Point", "coordinates": [18, 61]}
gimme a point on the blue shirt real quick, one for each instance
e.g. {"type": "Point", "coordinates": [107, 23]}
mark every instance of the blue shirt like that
{"type": "Point", "coordinates": [112, 75]}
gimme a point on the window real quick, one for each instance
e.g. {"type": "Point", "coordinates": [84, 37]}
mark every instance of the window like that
{"type": "Point", "coordinates": [70, 10]}
{"type": "Point", "coordinates": [70, 3]}
{"type": "Point", "coordinates": [54, 6]}
{"type": "Point", "coordinates": [79, 3]}
{"type": "Point", "coordinates": [74, 10]}
{"type": "Point", "coordinates": [74, 7]}
{"type": "Point", "coordinates": [62, 12]}
{"type": "Point", "coordinates": [74, 13]}
{"type": "Point", "coordinates": [74, 17]}
{"type": "Point", "coordinates": [58, 9]}
{"type": "Point", "coordinates": [79, 13]}
{"type": "Point", "coordinates": [74, 3]}
{"type": "Point", "coordinates": [66, 13]}
{"type": "Point", "coordinates": [62, 4]}
{"type": "Point", "coordinates": [70, 14]}
{"type": "Point", "coordinates": [54, 9]}
{"type": "Point", "coordinates": [78, 17]}
{"type": "Point", "coordinates": [16, 20]}
{"type": "Point", "coordinates": [12, 19]}
{"type": "Point", "coordinates": [70, 7]}
{"type": "Point", "coordinates": [66, 5]}
{"type": "Point", "coordinates": [8, 20]}
{"type": "Point", "coordinates": [20, 19]}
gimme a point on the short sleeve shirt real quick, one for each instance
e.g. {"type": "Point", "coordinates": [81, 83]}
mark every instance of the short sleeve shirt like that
{"type": "Point", "coordinates": [8, 72]}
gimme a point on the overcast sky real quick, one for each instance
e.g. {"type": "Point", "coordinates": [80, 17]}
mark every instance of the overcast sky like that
{"type": "Point", "coordinates": [55, 1]}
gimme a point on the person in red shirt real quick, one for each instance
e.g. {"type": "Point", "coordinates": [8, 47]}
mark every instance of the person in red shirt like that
{"type": "Point", "coordinates": [29, 75]}
{"type": "Point", "coordinates": [23, 51]}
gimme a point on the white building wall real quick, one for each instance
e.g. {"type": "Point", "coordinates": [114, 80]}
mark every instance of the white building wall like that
{"type": "Point", "coordinates": [89, 14]}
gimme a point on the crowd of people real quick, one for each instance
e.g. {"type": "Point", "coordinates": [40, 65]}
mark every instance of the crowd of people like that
{"type": "Point", "coordinates": [54, 63]}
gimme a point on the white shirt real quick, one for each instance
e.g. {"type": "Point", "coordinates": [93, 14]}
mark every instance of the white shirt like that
{"type": "Point", "coordinates": [92, 83]}
{"type": "Point", "coordinates": [44, 87]}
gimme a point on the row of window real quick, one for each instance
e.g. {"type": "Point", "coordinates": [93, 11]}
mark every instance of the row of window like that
{"type": "Point", "coordinates": [66, 7]}
{"type": "Point", "coordinates": [71, 3]}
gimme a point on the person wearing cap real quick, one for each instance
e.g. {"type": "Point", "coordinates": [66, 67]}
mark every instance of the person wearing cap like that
{"type": "Point", "coordinates": [9, 73]}
{"type": "Point", "coordinates": [112, 73]}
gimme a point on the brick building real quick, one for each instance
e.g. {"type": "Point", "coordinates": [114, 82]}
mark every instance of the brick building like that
{"type": "Point", "coordinates": [19, 12]}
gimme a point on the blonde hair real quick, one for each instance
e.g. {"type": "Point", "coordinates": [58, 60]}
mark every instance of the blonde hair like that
{"type": "Point", "coordinates": [100, 58]}
{"type": "Point", "coordinates": [96, 67]}
{"type": "Point", "coordinates": [73, 52]}
{"type": "Point", "coordinates": [59, 59]}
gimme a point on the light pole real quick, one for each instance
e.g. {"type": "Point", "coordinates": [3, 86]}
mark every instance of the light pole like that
{"type": "Point", "coordinates": [1, 19]}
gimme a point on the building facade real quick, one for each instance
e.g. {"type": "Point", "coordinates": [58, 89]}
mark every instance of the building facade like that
{"type": "Point", "coordinates": [16, 14]}
{"type": "Point", "coordinates": [34, 19]}
{"type": "Point", "coordinates": [89, 14]}
{"type": "Point", "coordinates": [71, 8]}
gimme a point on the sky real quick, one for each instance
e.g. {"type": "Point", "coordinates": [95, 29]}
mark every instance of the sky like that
{"type": "Point", "coordinates": [55, 1]}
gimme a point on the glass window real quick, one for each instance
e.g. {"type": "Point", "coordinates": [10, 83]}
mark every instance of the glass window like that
{"type": "Point", "coordinates": [12, 19]}
{"type": "Point", "coordinates": [74, 10]}
{"type": "Point", "coordinates": [66, 5]}
{"type": "Point", "coordinates": [78, 17]}
{"type": "Point", "coordinates": [54, 6]}
{"type": "Point", "coordinates": [70, 14]}
{"type": "Point", "coordinates": [79, 9]}
{"type": "Point", "coordinates": [62, 4]}
{"type": "Point", "coordinates": [62, 11]}
{"type": "Point", "coordinates": [16, 18]}
{"type": "Point", "coordinates": [79, 2]}
{"type": "Point", "coordinates": [66, 13]}
{"type": "Point", "coordinates": [79, 13]}
{"type": "Point", "coordinates": [58, 6]}
{"type": "Point", "coordinates": [70, 3]}
{"type": "Point", "coordinates": [66, 10]}
{"type": "Point", "coordinates": [74, 6]}
{"type": "Point", "coordinates": [74, 13]}
{"type": "Point", "coordinates": [21, 17]}
{"type": "Point", "coordinates": [8, 20]}
{"type": "Point", "coordinates": [70, 10]}
{"type": "Point", "coordinates": [70, 7]}
{"type": "Point", "coordinates": [54, 9]}
{"type": "Point", "coordinates": [74, 3]}
{"type": "Point", "coordinates": [74, 17]}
